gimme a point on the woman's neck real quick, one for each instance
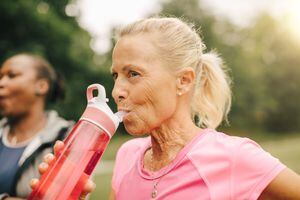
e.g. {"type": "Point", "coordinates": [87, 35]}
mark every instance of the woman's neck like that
{"type": "Point", "coordinates": [27, 126]}
{"type": "Point", "coordinates": [168, 140]}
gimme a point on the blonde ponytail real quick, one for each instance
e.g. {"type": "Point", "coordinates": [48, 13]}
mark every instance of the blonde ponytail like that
{"type": "Point", "coordinates": [212, 96]}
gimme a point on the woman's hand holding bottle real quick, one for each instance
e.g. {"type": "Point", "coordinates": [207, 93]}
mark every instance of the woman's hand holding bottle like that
{"type": "Point", "coordinates": [48, 159]}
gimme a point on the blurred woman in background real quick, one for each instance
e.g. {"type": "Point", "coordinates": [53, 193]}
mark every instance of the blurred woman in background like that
{"type": "Point", "coordinates": [27, 131]}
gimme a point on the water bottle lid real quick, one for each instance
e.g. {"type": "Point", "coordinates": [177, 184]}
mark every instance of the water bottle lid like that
{"type": "Point", "coordinates": [98, 112]}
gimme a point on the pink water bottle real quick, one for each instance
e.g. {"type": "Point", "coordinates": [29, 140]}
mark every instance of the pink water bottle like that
{"type": "Point", "coordinates": [84, 146]}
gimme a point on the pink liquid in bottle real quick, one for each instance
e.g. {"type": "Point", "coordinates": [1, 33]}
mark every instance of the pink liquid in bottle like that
{"type": "Point", "coordinates": [66, 176]}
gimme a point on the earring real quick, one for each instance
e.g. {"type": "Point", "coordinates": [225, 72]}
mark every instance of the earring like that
{"type": "Point", "coordinates": [179, 93]}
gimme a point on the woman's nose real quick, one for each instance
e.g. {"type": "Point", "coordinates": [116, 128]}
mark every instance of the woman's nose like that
{"type": "Point", "coordinates": [3, 81]}
{"type": "Point", "coordinates": [119, 91]}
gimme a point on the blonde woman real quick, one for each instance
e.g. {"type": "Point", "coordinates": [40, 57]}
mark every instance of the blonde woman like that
{"type": "Point", "coordinates": [177, 96]}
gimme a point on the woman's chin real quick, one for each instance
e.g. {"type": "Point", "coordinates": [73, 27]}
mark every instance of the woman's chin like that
{"type": "Point", "coordinates": [134, 130]}
{"type": "Point", "coordinates": [134, 125]}
{"type": "Point", "coordinates": [4, 112]}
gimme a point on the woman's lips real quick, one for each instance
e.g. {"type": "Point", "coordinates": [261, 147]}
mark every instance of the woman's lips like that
{"type": "Point", "coordinates": [124, 112]}
{"type": "Point", "coordinates": [3, 95]}
{"type": "Point", "coordinates": [2, 98]}
{"type": "Point", "coordinates": [3, 102]}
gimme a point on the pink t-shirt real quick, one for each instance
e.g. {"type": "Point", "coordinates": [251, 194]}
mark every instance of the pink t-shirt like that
{"type": "Point", "coordinates": [211, 166]}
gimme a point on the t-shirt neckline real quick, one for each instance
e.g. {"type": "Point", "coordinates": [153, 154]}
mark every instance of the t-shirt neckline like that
{"type": "Point", "coordinates": [163, 171]}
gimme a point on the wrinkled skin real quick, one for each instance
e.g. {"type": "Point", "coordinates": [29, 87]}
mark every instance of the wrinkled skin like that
{"type": "Point", "coordinates": [143, 87]}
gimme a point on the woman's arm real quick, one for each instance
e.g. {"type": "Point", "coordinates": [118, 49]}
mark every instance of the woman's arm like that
{"type": "Point", "coordinates": [285, 186]}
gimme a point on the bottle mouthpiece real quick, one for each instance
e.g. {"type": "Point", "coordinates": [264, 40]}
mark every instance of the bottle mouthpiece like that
{"type": "Point", "coordinates": [120, 115]}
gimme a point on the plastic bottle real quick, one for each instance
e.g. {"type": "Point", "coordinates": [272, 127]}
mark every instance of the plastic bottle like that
{"type": "Point", "coordinates": [84, 146]}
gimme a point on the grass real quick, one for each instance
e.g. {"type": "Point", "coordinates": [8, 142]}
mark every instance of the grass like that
{"type": "Point", "coordinates": [103, 186]}
{"type": "Point", "coordinates": [285, 147]}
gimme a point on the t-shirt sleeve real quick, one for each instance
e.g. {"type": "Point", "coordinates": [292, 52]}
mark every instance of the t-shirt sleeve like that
{"type": "Point", "coordinates": [125, 159]}
{"type": "Point", "coordinates": [253, 169]}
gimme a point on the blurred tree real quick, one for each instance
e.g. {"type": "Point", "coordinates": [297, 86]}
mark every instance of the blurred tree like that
{"type": "Point", "coordinates": [281, 64]}
{"type": "Point", "coordinates": [270, 61]}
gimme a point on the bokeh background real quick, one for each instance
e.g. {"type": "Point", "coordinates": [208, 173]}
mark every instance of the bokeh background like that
{"type": "Point", "coordinates": [258, 39]}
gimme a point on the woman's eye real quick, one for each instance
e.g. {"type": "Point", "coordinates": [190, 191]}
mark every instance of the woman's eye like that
{"type": "Point", "coordinates": [12, 75]}
{"type": "Point", "coordinates": [133, 73]}
{"type": "Point", "coordinates": [114, 75]}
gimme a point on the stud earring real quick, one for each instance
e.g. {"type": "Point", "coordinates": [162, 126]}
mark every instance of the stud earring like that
{"type": "Point", "coordinates": [179, 93]}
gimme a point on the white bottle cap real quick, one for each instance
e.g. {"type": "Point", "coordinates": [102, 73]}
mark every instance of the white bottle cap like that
{"type": "Point", "coordinates": [99, 113]}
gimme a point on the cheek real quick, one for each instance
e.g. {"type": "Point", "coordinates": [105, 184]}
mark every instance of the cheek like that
{"type": "Point", "coordinates": [20, 99]}
{"type": "Point", "coordinates": [152, 104]}
{"type": "Point", "coordinates": [24, 94]}
{"type": "Point", "coordinates": [139, 120]}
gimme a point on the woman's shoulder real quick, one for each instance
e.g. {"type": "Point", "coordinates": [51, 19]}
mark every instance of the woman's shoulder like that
{"type": "Point", "coordinates": [56, 127]}
{"type": "Point", "coordinates": [225, 141]}
{"type": "Point", "coordinates": [225, 161]}
{"type": "Point", "coordinates": [225, 147]}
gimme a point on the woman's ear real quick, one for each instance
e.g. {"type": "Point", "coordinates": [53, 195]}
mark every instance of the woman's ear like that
{"type": "Point", "coordinates": [42, 87]}
{"type": "Point", "coordinates": [185, 80]}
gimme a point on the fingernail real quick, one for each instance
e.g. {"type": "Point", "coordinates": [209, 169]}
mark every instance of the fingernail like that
{"type": "Point", "coordinates": [49, 157]}
{"type": "Point", "coordinates": [43, 165]}
{"type": "Point", "coordinates": [33, 181]}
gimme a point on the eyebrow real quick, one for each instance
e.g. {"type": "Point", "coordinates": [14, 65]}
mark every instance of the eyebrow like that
{"type": "Point", "coordinates": [125, 68]}
{"type": "Point", "coordinates": [10, 71]}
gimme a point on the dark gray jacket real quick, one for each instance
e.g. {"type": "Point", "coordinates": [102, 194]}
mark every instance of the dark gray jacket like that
{"type": "Point", "coordinates": [56, 129]}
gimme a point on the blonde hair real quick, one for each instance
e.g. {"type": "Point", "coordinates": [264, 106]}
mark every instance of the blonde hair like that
{"type": "Point", "coordinates": [180, 46]}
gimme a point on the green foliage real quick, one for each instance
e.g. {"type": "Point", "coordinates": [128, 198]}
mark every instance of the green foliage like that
{"type": "Point", "coordinates": [269, 67]}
